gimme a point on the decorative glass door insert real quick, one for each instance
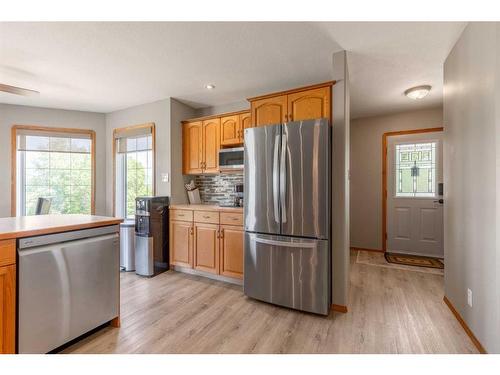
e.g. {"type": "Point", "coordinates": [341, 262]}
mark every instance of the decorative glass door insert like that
{"type": "Point", "coordinates": [415, 170]}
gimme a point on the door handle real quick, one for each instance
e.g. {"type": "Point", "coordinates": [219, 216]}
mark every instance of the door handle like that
{"type": "Point", "coordinates": [440, 201]}
{"type": "Point", "coordinates": [309, 245]}
{"type": "Point", "coordinates": [283, 178]}
{"type": "Point", "coordinates": [276, 179]}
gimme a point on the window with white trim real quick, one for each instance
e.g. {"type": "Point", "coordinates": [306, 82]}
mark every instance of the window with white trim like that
{"type": "Point", "coordinates": [134, 167]}
{"type": "Point", "coordinates": [56, 166]}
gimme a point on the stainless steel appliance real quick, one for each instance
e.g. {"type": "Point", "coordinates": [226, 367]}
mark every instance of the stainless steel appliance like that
{"type": "Point", "coordinates": [127, 245]}
{"type": "Point", "coordinates": [151, 235]}
{"type": "Point", "coordinates": [69, 284]}
{"type": "Point", "coordinates": [231, 158]}
{"type": "Point", "coordinates": [287, 215]}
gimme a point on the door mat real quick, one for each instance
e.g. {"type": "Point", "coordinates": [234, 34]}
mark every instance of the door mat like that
{"type": "Point", "coordinates": [414, 260]}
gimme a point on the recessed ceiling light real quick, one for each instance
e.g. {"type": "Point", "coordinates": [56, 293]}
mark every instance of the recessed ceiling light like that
{"type": "Point", "coordinates": [210, 86]}
{"type": "Point", "coordinates": [418, 92]}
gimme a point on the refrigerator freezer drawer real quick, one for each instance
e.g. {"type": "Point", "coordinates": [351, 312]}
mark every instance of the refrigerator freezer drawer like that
{"type": "Point", "coordinates": [288, 271]}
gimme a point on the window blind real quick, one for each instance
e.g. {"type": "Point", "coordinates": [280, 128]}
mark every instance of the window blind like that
{"type": "Point", "coordinates": [53, 141]}
{"type": "Point", "coordinates": [134, 139]}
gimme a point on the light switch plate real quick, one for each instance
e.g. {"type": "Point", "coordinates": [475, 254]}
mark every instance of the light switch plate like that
{"type": "Point", "coordinates": [165, 177]}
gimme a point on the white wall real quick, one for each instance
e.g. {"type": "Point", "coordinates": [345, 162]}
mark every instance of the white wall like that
{"type": "Point", "coordinates": [471, 179]}
{"type": "Point", "coordinates": [24, 115]}
{"type": "Point", "coordinates": [230, 107]}
{"type": "Point", "coordinates": [366, 169]}
{"type": "Point", "coordinates": [178, 113]}
{"type": "Point", "coordinates": [166, 114]}
{"type": "Point", "coordinates": [340, 180]}
{"type": "Point", "coordinates": [157, 112]}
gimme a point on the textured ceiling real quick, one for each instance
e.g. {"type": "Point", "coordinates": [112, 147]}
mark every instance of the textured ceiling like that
{"type": "Point", "coordinates": [107, 66]}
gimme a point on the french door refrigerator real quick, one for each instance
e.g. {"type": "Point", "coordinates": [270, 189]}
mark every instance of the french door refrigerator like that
{"type": "Point", "coordinates": [287, 215]}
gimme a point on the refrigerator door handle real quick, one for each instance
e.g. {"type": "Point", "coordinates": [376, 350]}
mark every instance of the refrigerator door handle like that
{"type": "Point", "coordinates": [309, 245]}
{"type": "Point", "coordinates": [283, 178]}
{"type": "Point", "coordinates": [276, 179]}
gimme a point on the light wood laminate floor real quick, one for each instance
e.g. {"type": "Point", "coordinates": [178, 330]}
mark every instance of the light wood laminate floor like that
{"type": "Point", "coordinates": [390, 311]}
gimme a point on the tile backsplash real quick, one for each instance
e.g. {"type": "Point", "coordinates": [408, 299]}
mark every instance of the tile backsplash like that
{"type": "Point", "coordinates": [218, 189]}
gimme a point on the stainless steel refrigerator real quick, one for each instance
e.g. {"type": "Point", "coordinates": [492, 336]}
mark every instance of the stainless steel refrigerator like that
{"type": "Point", "coordinates": [287, 215]}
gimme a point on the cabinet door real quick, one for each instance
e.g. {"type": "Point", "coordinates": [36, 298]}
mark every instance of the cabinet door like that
{"type": "Point", "coordinates": [310, 104]}
{"type": "Point", "coordinates": [181, 243]}
{"type": "Point", "coordinates": [7, 309]}
{"type": "Point", "coordinates": [245, 123]}
{"type": "Point", "coordinates": [231, 257]}
{"type": "Point", "coordinates": [269, 111]}
{"type": "Point", "coordinates": [192, 154]}
{"type": "Point", "coordinates": [206, 248]}
{"type": "Point", "coordinates": [211, 145]}
{"type": "Point", "coordinates": [230, 129]}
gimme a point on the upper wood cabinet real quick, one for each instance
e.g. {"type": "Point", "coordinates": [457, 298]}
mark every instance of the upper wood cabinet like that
{"type": "Point", "coordinates": [269, 111]}
{"type": "Point", "coordinates": [211, 145]}
{"type": "Point", "coordinates": [310, 104]}
{"type": "Point", "coordinates": [192, 147]}
{"type": "Point", "coordinates": [200, 146]}
{"type": "Point", "coordinates": [245, 122]}
{"type": "Point", "coordinates": [304, 103]}
{"type": "Point", "coordinates": [230, 129]}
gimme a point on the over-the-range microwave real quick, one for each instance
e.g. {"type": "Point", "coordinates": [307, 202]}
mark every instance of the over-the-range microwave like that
{"type": "Point", "coordinates": [231, 159]}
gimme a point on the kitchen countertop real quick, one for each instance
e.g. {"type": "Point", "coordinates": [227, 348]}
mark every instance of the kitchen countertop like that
{"type": "Point", "coordinates": [206, 207]}
{"type": "Point", "coordinates": [26, 226]}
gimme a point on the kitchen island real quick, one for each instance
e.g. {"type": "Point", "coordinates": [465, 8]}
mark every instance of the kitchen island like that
{"type": "Point", "coordinates": [59, 234]}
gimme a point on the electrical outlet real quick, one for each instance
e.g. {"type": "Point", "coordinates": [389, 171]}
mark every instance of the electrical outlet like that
{"type": "Point", "coordinates": [469, 297]}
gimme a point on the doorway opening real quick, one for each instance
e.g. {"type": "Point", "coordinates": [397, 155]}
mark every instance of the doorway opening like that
{"type": "Point", "coordinates": [412, 192]}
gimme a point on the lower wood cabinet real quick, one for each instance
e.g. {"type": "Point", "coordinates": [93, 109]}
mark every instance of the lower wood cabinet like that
{"type": "Point", "coordinates": [7, 297]}
{"type": "Point", "coordinates": [231, 251]}
{"type": "Point", "coordinates": [181, 243]}
{"type": "Point", "coordinates": [198, 241]}
{"type": "Point", "coordinates": [206, 247]}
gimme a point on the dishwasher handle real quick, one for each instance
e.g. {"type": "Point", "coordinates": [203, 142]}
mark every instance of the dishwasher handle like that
{"type": "Point", "coordinates": [30, 242]}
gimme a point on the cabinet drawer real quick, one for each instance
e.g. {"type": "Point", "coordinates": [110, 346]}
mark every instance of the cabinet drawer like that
{"type": "Point", "coordinates": [206, 217]}
{"type": "Point", "coordinates": [181, 215]}
{"type": "Point", "coordinates": [7, 252]}
{"type": "Point", "coordinates": [231, 218]}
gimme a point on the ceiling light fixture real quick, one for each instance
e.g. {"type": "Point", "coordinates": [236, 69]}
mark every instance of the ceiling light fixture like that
{"type": "Point", "coordinates": [210, 86]}
{"type": "Point", "coordinates": [418, 92]}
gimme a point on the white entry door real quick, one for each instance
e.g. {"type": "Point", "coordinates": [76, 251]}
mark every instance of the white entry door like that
{"type": "Point", "coordinates": [414, 203]}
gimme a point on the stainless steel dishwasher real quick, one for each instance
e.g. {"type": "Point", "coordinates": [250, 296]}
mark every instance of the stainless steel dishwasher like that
{"type": "Point", "coordinates": [69, 284]}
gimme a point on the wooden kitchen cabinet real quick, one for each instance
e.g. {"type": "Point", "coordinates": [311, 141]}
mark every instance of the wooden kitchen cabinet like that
{"type": "Point", "coordinates": [200, 146]}
{"type": "Point", "coordinates": [303, 103]}
{"type": "Point", "coordinates": [269, 111]}
{"type": "Point", "coordinates": [192, 147]}
{"type": "Point", "coordinates": [206, 248]}
{"type": "Point", "coordinates": [231, 251]}
{"type": "Point", "coordinates": [211, 145]}
{"type": "Point", "coordinates": [181, 243]}
{"type": "Point", "coordinates": [230, 129]}
{"type": "Point", "coordinates": [207, 240]}
{"type": "Point", "coordinates": [7, 297]}
{"type": "Point", "coordinates": [233, 127]}
{"type": "Point", "coordinates": [245, 123]}
{"type": "Point", "coordinates": [310, 104]}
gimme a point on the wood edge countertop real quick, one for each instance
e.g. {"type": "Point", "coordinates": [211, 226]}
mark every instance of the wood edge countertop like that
{"type": "Point", "coordinates": [206, 207]}
{"type": "Point", "coordinates": [27, 226]}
